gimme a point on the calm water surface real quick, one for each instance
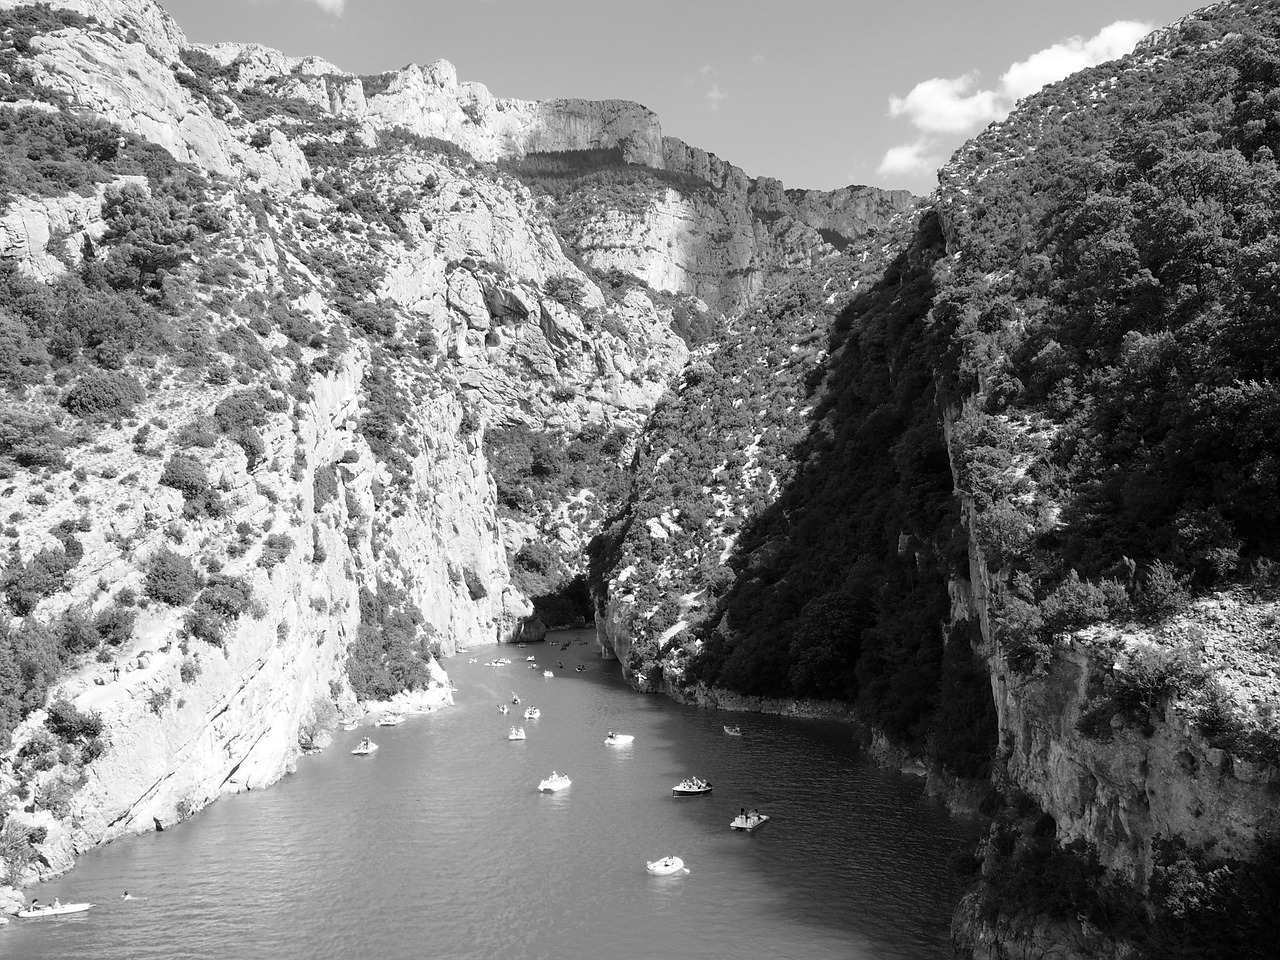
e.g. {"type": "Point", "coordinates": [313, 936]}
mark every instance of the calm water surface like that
{"type": "Point", "coordinates": [440, 844]}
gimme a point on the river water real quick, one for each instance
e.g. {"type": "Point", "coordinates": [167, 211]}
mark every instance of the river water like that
{"type": "Point", "coordinates": [440, 845]}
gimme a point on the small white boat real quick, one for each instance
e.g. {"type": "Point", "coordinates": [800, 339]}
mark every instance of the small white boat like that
{"type": "Point", "coordinates": [517, 733]}
{"type": "Point", "coordinates": [365, 747]}
{"type": "Point", "coordinates": [472, 659]}
{"type": "Point", "coordinates": [691, 787]}
{"type": "Point", "coordinates": [390, 720]}
{"type": "Point", "coordinates": [503, 708]}
{"type": "Point", "coordinates": [533, 713]}
{"type": "Point", "coordinates": [557, 781]}
{"type": "Point", "coordinates": [733, 731]}
{"type": "Point", "coordinates": [666, 866]}
{"type": "Point", "coordinates": [579, 669]}
{"type": "Point", "coordinates": [547, 673]}
{"type": "Point", "coordinates": [618, 739]}
{"type": "Point", "coordinates": [502, 661]}
{"type": "Point", "coordinates": [350, 724]}
{"type": "Point", "coordinates": [52, 910]}
{"type": "Point", "coordinates": [530, 659]}
{"type": "Point", "coordinates": [749, 821]}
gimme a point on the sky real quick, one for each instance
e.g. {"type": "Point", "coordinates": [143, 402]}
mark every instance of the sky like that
{"type": "Point", "coordinates": [818, 93]}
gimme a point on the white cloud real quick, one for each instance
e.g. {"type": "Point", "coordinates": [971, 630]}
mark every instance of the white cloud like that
{"type": "Point", "coordinates": [910, 160]}
{"type": "Point", "coordinates": [947, 106]}
{"type": "Point", "coordinates": [1065, 58]}
{"type": "Point", "coordinates": [958, 105]}
{"type": "Point", "coordinates": [714, 96]}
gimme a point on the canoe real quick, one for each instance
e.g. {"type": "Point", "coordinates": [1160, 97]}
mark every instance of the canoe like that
{"type": "Point", "coordinates": [666, 866]}
{"type": "Point", "coordinates": [52, 911]}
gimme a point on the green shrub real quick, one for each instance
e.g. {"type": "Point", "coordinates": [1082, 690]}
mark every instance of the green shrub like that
{"type": "Point", "coordinates": [114, 624]}
{"type": "Point", "coordinates": [185, 474]}
{"type": "Point", "coordinates": [567, 289]}
{"type": "Point", "coordinates": [170, 578]}
{"type": "Point", "coordinates": [157, 700]}
{"type": "Point", "coordinates": [26, 584]}
{"type": "Point", "coordinates": [275, 548]}
{"type": "Point", "coordinates": [70, 724]}
{"type": "Point", "coordinates": [324, 485]}
{"type": "Point", "coordinates": [103, 393]}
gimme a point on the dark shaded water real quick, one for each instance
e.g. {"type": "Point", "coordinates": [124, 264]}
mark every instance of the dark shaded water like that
{"type": "Point", "coordinates": [439, 844]}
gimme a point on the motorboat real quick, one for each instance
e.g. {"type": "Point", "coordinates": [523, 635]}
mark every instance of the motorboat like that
{"type": "Point", "coordinates": [54, 909]}
{"type": "Point", "coordinates": [691, 787]}
{"type": "Point", "coordinates": [517, 733]}
{"type": "Point", "coordinates": [580, 668]}
{"type": "Point", "coordinates": [533, 713]}
{"type": "Point", "coordinates": [618, 739]}
{"type": "Point", "coordinates": [365, 747]}
{"type": "Point", "coordinates": [734, 731]}
{"type": "Point", "coordinates": [533, 666]}
{"type": "Point", "coordinates": [547, 673]}
{"type": "Point", "coordinates": [557, 781]}
{"type": "Point", "coordinates": [502, 661]}
{"type": "Point", "coordinates": [503, 708]}
{"type": "Point", "coordinates": [350, 724]}
{"type": "Point", "coordinates": [530, 659]}
{"type": "Point", "coordinates": [390, 719]}
{"type": "Point", "coordinates": [749, 821]}
{"type": "Point", "coordinates": [472, 659]}
{"type": "Point", "coordinates": [666, 866]}
{"type": "Point", "coordinates": [521, 644]}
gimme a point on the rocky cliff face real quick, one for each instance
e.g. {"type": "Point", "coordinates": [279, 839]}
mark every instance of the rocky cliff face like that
{"type": "Point", "coordinates": [375, 345]}
{"type": "Point", "coordinates": [345, 294]}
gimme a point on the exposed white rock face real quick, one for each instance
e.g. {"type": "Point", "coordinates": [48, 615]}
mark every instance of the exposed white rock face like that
{"type": "Point", "coordinates": [29, 224]}
{"type": "Point", "coordinates": [139, 21]}
{"type": "Point", "coordinates": [1122, 794]}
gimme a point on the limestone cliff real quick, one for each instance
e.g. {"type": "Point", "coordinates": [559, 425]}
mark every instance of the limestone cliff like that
{"type": "Point", "coordinates": [309, 443]}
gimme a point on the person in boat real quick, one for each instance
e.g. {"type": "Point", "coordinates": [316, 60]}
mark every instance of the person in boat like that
{"type": "Point", "coordinates": [57, 903]}
{"type": "Point", "coordinates": [126, 896]}
{"type": "Point", "coordinates": [742, 812]}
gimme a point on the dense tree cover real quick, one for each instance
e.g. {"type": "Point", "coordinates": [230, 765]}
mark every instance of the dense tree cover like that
{"type": "Point", "coordinates": [537, 473]}
{"type": "Point", "coordinates": [1114, 314]}
{"type": "Point", "coordinates": [802, 489]}
{"type": "Point", "coordinates": [393, 647]}
{"type": "Point", "coordinates": [840, 586]}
